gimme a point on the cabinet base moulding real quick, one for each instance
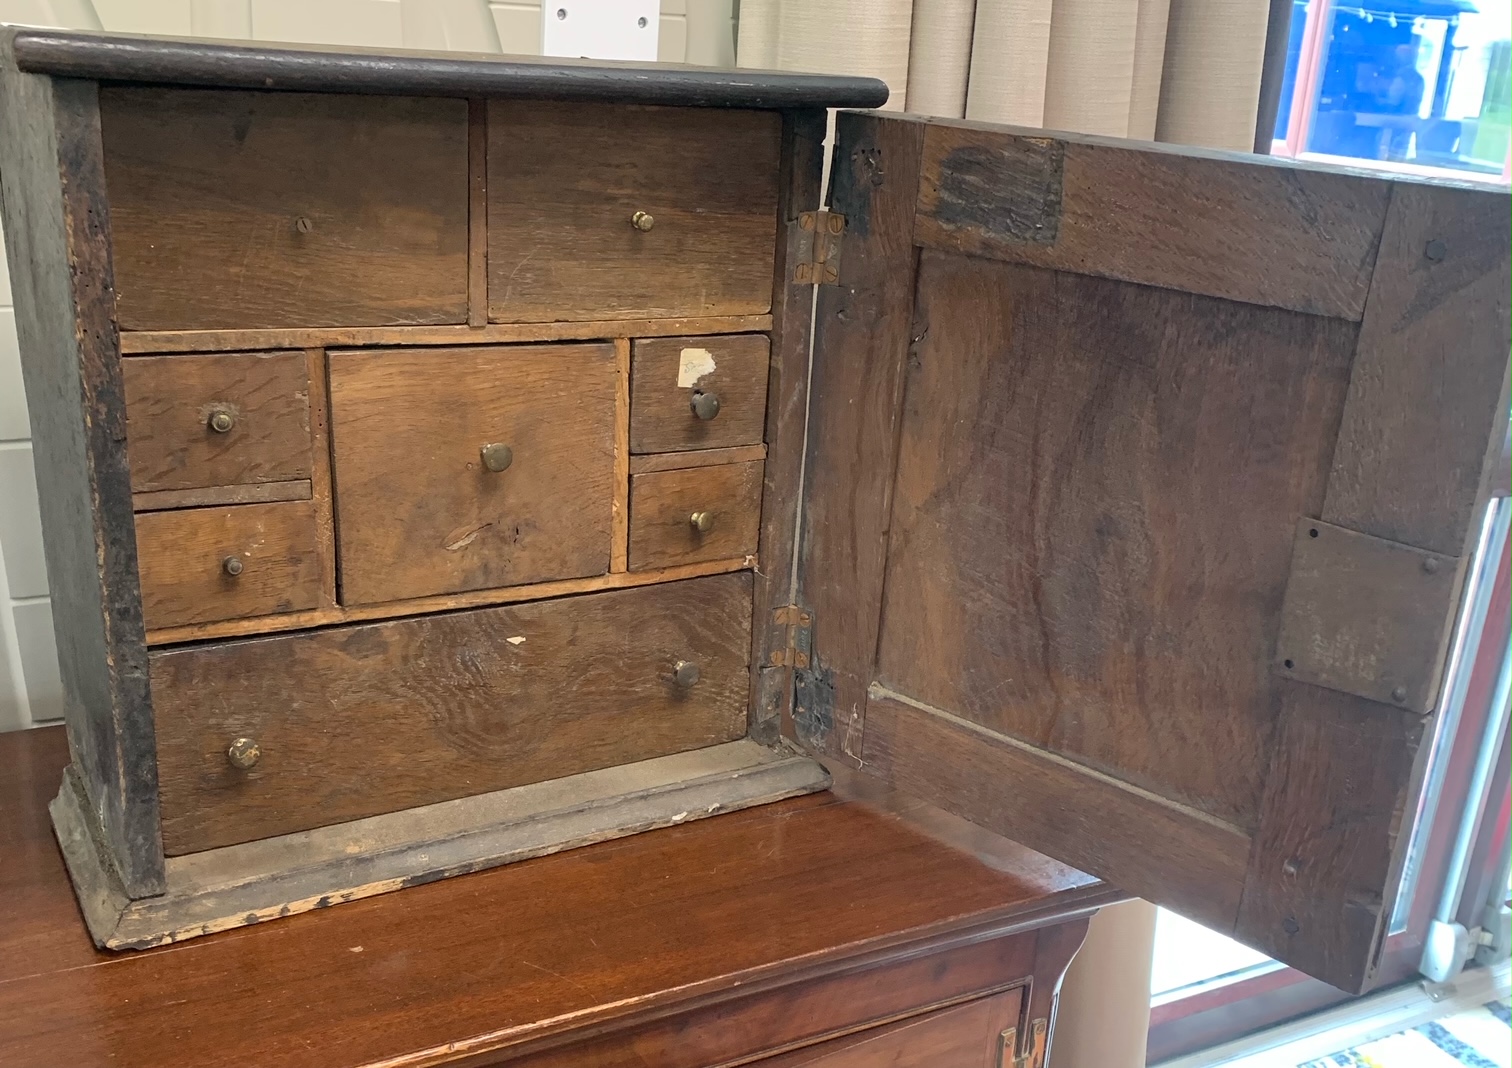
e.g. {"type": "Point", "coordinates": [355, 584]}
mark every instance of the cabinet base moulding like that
{"type": "Point", "coordinates": [236, 886]}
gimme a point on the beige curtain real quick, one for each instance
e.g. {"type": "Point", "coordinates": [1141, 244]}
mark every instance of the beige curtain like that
{"type": "Point", "coordinates": [1186, 71]}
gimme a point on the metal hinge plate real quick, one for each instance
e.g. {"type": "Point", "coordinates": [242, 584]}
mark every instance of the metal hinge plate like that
{"type": "Point", "coordinates": [1029, 1054]}
{"type": "Point", "coordinates": [819, 244]}
{"type": "Point", "coordinates": [800, 636]}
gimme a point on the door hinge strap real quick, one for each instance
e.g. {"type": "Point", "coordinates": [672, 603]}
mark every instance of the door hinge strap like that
{"type": "Point", "coordinates": [820, 234]}
{"type": "Point", "coordinates": [796, 649]}
{"type": "Point", "coordinates": [1029, 1054]}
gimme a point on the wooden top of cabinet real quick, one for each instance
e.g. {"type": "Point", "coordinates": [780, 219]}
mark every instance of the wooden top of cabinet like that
{"type": "Point", "coordinates": [589, 941]}
{"type": "Point", "coordinates": [321, 68]}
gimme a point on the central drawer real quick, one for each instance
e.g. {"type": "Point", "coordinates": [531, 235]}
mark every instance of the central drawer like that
{"type": "Point", "coordinates": [387, 716]}
{"type": "Point", "coordinates": [471, 468]}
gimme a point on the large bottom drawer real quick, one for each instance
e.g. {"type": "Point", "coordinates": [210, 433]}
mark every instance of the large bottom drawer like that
{"type": "Point", "coordinates": [353, 721]}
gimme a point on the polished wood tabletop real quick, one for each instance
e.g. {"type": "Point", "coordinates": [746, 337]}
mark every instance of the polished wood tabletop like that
{"type": "Point", "coordinates": [583, 941]}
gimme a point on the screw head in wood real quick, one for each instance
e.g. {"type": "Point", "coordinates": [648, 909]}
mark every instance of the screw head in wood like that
{"type": "Point", "coordinates": [642, 221]}
{"type": "Point", "coordinates": [233, 566]}
{"type": "Point", "coordinates": [303, 224]}
{"type": "Point", "coordinates": [685, 673]}
{"type": "Point", "coordinates": [496, 456]}
{"type": "Point", "coordinates": [1399, 694]}
{"type": "Point", "coordinates": [243, 753]}
{"type": "Point", "coordinates": [1435, 251]}
{"type": "Point", "coordinates": [221, 420]}
{"type": "Point", "coordinates": [705, 405]}
{"type": "Point", "coordinates": [703, 522]}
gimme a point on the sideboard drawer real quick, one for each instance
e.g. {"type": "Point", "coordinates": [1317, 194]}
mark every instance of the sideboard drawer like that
{"type": "Point", "coordinates": [198, 565]}
{"type": "Point", "coordinates": [566, 182]}
{"type": "Point", "coordinates": [225, 420]}
{"type": "Point", "coordinates": [418, 509]}
{"type": "Point", "coordinates": [392, 715]}
{"type": "Point", "coordinates": [234, 209]}
{"type": "Point", "coordinates": [698, 513]}
{"type": "Point", "coordinates": [725, 376]}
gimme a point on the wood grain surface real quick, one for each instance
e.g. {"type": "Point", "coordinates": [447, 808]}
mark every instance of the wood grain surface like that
{"type": "Point", "coordinates": [169, 401]}
{"type": "Point", "coordinates": [409, 712]}
{"type": "Point", "coordinates": [236, 210]}
{"type": "Point", "coordinates": [256, 493]}
{"type": "Point", "coordinates": [662, 418]}
{"type": "Point", "coordinates": [418, 513]}
{"type": "Point", "coordinates": [564, 181]}
{"type": "Point", "coordinates": [679, 461]}
{"type": "Point", "coordinates": [183, 555]}
{"type": "Point", "coordinates": [662, 504]}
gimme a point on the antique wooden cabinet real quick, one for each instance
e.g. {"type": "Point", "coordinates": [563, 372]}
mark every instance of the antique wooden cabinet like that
{"type": "Point", "coordinates": [437, 471]}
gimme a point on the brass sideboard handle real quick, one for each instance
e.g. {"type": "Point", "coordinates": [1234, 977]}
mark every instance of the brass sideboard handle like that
{"type": "Point", "coordinates": [642, 221]}
{"type": "Point", "coordinates": [243, 753]}
{"type": "Point", "coordinates": [233, 566]}
{"type": "Point", "coordinates": [705, 405]}
{"type": "Point", "coordinates": [685, 673]}
{"type": "Point", "coordinates": [497, 456]}
{"type": "Point", "coordinates": [221, 420]}
{"type": "Point", "coordinates": [703, 522]}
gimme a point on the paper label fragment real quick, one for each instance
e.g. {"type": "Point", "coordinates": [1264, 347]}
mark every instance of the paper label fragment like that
{"type": "Point", "coordinates": [695, 363]}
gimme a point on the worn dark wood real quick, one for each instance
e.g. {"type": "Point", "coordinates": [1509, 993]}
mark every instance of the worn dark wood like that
{"type": "Point", "coordinates": [662, 504]}
{"type": "Point", "coordinates": [1176, 218]}
{"type": "Point", "coordinates": [477, 213]}
{"type": "Point", "coordinates": [707, 943]}
{"type": "Point", "coordinates": [799, 176]}
{"type": "Point", "coordinates": [862, 336]}
{"type": "Point", "coordinates": [169, 401]}
{"type": "Point", "coordinates": [57, 222]}
{"type": "Point", "coordinates": [183, 556]}
{"type": "Point", "coordinates": [680, 461]}
{"type": "Point", "coordinates": [619, 552]}
{"type": "Point", "coordinates": [662, 388]}
{"type": "Point", "coordinates": [565, 180]}
{"type": "Point", "coordinates": [257, 493]}
{"type": "Point", "coordinates": [410, 712]}
{"type": "Point", "coordinates": [125, 57]}
{"type": "Point", "coordinates": [243, 210]}
{"type": "Point", "coordinates": [418, 513]}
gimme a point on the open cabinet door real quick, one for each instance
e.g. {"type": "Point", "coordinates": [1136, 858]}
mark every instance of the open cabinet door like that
{"type": "Point", "coordinates": [1140, 488]}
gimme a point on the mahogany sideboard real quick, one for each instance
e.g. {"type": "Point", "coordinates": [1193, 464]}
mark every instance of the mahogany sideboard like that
{"type": "Point", "coordinates": [823, 931]}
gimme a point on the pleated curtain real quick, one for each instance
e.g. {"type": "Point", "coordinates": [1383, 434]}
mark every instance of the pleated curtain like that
{"type": "Point", "coordinates": [1185, 71]}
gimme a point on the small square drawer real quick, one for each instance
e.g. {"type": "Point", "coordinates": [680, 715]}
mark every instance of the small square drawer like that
{"type": "Point", "coordinates": [199, 565]}
{"type": "Point", "coordinates": [694, 514]}
{"type": "Point", "coordinates": [617, 212]}
{"type": "Point", "coordinates": [232, 419]}
{"type": "Point", "coordinates": [698, 392]}
{"type": "Point", "coordinates": [234, 209]}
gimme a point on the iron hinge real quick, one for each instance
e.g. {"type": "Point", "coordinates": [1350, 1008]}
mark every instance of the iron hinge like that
{"type": "Point", "coordinates": [820, 236]}
{"type": "Point", "coordinates": [799, 641]}
{"type": "Point", "coordinates": [1028, 1054]}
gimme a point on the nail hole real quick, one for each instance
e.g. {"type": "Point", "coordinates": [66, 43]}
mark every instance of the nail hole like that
{"type": "Point", "coordinates": [1313, 532]}
{"type": "Point", "coordinates": [561, 13]}
{"type": "Point", "coordinates": [1289, 664]}
{"type": "Point", "coordinates": [641, 22]}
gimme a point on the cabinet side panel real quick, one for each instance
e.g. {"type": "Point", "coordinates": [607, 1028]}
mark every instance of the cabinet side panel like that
{"type": "Point", "coordinates": [57, 238]}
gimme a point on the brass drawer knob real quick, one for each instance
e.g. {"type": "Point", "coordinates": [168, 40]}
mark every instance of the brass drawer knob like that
{"type": "Point", "coordinates": [703, 522]}
{"type": "Point", "coordinates": [243, 753]}
{"type": "Point", "coordinates": [221, 420]}
{"type": "Point", "coordinates": [642, 221]}
{"type": "Point", "coordinates": [497, 456]}
{"type": "Point", "coordinates": [233, 566]}
{"type": "Point", "coordinates": [685, 673]}
{"type": "Point", "coordinates": [705, 405]}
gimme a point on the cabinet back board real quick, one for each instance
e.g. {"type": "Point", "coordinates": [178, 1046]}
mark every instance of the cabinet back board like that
{"type": "Point", "coordinates": [1072, 399]}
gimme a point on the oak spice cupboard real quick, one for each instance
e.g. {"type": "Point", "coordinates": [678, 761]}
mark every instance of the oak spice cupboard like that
{"type": "Point", "coordinates": [436, 472]}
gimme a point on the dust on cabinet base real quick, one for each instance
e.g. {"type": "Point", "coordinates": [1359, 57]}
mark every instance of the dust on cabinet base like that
{"type": "Point", "coordinates": [245, 884]}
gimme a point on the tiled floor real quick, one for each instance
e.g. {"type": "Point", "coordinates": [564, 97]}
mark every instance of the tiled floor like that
{"type": "Point", "coordinates": [1478, 1038]}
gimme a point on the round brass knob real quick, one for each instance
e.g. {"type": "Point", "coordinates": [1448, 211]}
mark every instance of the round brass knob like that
{"type": "Point", "coordinates": [303, 224]}
{"type": "Point", "coordinates": [642, 221]}
{"type": "Point", "coordinates": [233, 566]}
{"type": "Point", "coordinates": [243, 753]}
{"type": "Point", "coordinates": [705, 405]}
{"type": "Point", "coordinates": [685, 673]}
{"type": "Point", "coordinates": [221, 420]}
{"type": "Point", "coordinates": [703, 522]}
{"type": "Point", "coordinates": [497, 456]}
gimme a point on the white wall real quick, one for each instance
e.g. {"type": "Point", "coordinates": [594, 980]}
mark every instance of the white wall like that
{"type": "Point", "coordinates": [692, 31]}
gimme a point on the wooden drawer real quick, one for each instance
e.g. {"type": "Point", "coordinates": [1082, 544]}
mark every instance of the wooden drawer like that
{"type": "Point", "coordinates": [226, 420]}
{"type": "Point", "coordinates": [418, 512]}
{"type": "Point", "coordinates": [246, 209]}
{"type": "Point", "coordinates": [187, 577]}
{"type": "Point", "coordinates": [566, 180]}
{"type": "Point", "coordinates": [391, 715]}
{"type": "Point", "coordinates": [663, 505]}
{"type": "Point", "coordinates": [965, 1036]}
{"type": "Point", "coordinates": [728, 375]}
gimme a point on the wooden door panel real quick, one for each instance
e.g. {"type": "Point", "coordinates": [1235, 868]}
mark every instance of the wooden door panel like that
{"type": "Point", "coordinates": [1074, 405]}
